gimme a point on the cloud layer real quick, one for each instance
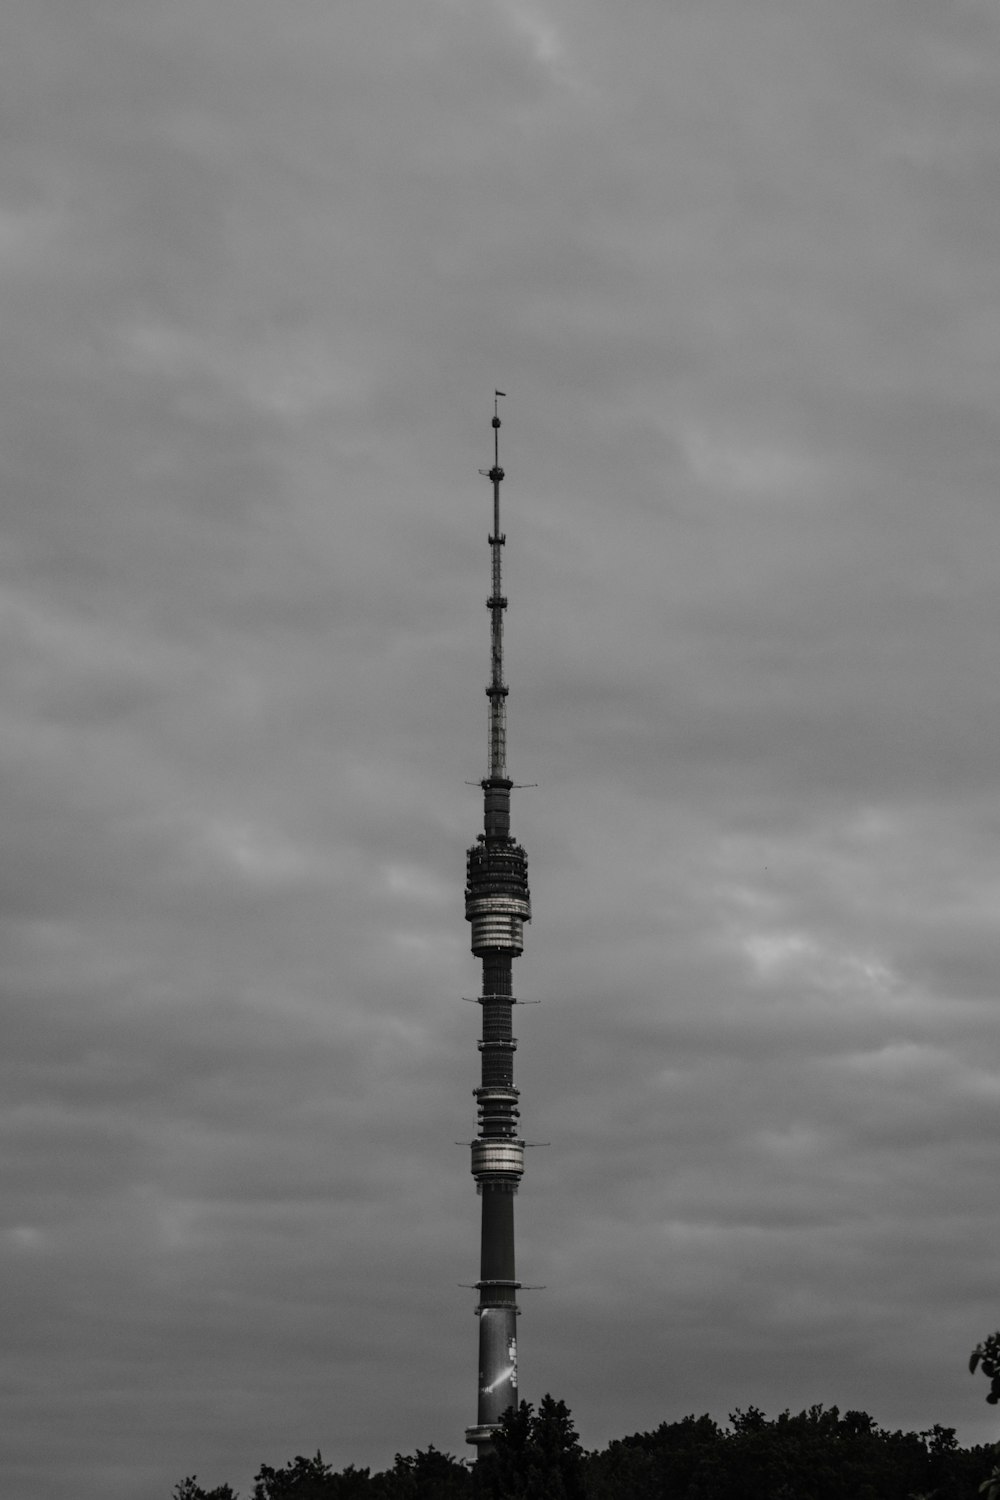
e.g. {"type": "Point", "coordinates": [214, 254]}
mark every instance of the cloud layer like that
{"type": "Point", "coordinates": [260, 270]}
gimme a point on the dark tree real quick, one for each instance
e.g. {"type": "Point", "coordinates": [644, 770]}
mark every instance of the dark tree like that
{"type": "Point", "coordinates": [814, 1455]}
{"type": "Point", "coordinates": [652, 1464]}
{"type": "Point", "coordinates": [429, 1475]}
{"type": "Point", "coordinates": [987, 1354]}
{"type": "Point", "coordinates": [189, 1489]}
{"type": "Point", "coordinates": [537, 1456]}
{"type": "Point", "coordinates": [353, 1484]}
{"type": "Point", "coordinates": [300, 1479]}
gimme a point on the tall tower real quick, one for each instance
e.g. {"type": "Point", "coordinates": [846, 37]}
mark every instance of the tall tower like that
{"type": "Point", "coordinates": [497, 904]}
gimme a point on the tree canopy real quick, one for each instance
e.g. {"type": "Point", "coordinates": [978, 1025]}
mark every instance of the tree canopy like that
{"type": "Point", "coordinates": [816, 1454]}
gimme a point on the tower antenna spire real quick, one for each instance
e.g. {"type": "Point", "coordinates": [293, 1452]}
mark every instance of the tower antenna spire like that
{"type": "Point", "coordinates": [497, 905]}
{"type": "Point", "coordinates": [497, 689]}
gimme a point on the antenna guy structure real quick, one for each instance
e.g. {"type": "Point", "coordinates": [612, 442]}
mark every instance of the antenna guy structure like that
{"type": "Point", "coordinates": [497, 905]}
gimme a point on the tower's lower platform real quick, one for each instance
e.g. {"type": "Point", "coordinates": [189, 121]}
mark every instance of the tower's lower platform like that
{"type": "Point", "coordinates": [482, 1437]}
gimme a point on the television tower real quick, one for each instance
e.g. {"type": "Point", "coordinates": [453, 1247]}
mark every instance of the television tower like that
{"type": "Point", "coordinates": [497, 904]}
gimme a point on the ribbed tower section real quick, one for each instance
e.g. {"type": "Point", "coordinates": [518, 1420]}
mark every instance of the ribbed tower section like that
{"type": "Point", "coordinates": [497, 904]}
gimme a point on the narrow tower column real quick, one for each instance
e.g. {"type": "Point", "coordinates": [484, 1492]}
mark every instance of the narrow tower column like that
{"type": "Point", "coordinates": [497, 904]}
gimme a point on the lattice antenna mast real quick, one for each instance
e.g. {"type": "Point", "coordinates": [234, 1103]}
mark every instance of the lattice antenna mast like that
{"type": "Point", "coordinates": [496, 604]}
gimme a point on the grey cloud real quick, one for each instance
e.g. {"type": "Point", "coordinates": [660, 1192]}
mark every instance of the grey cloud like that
{"type": "Point", "coordinates": [260, 273]}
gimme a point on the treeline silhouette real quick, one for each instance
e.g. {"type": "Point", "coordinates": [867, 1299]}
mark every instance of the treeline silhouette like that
{"type": "Point", "coordinates": [814, 1455]}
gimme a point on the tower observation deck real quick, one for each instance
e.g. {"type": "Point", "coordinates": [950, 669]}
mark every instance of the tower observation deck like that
{"type": "Point", "coordinates": [497, 905]}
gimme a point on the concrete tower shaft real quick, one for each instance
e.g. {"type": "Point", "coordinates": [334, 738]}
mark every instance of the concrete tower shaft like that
{"type": "Point", "coordinates": [497, 905]}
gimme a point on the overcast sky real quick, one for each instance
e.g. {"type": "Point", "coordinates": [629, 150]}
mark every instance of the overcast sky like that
{"type": "Point", "coordinates": [261, 267]}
